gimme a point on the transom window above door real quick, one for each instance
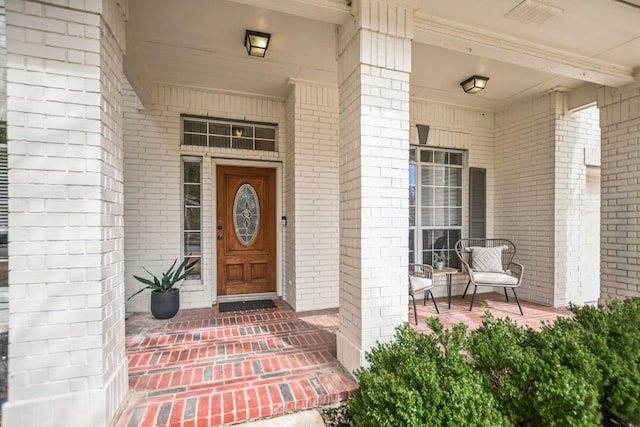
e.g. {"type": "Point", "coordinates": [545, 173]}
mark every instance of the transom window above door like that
{"type": "Point", "coordinates": [220, 133]}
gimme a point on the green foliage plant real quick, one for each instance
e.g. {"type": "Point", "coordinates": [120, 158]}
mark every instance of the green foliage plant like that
{"type": "Point", "coordinates": [422, 380]}
{"type": "Point", "coordinates": [611, 333]}
{"type": "Point", "coordinates": [169, 279]}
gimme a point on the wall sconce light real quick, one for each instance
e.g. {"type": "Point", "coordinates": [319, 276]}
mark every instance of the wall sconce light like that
{"type": "Point", "coordinates": [238, 131]}
{"type": "Point", "coordinates": [256, 43]}
{"type": "Point", "coordinates": [474, 84]}
{"type": "Point", "coordinates": [423, 134]}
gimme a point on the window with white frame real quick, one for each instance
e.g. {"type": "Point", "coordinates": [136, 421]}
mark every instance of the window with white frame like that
{"type": "Point", "coordinates": [192, 213]}
{"type": "Point", "coordinates": [223, 133]}
{"type": "Point", "coordinates": [4, 207]}
{"type": "Point", "coordinates": [435, 204]}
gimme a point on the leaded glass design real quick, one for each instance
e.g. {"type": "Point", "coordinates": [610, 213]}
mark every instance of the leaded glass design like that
{"type": "Point", "coordinates": [246, 214]}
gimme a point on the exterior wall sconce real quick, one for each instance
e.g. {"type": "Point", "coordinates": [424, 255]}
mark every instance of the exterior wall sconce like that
{"type": "Point", "coordinates": [474, 84]}
{"type": "Point", "coordinates": [423, 134]}
{"type": "Point", "coordinates": [256, 43]}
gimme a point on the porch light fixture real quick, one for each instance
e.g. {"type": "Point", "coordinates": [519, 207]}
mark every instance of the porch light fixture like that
{"type": "Point", "coordinates": [256, 43]}
{"type": "Point", "coordinates": [474, 84]}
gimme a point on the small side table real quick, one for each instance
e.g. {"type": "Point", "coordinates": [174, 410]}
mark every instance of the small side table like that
{"type": "Point", "coordinates": [448, 271]}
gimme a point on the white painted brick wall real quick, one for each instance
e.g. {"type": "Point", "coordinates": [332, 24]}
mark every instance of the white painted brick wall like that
{"type": "Point", "coordinates": [66, 335]}
{"type": "Point", "coordinates": [524, 190]}
{"type": "Point", "coordinates": [540, 188]}
{"type": "Point", "coordinates": [373, 72]}
{"type": "Point", "coordinates": [311, 273]}
{"type": "Point", "coordinates": [620, 240]}
{"type": "Point", "coordinates": [153, 183]}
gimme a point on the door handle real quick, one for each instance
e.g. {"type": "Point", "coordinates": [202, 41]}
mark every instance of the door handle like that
{"type": "Point", "coordinates": [219, 237]}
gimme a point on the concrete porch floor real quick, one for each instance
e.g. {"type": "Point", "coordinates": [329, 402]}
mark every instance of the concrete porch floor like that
{"type": "Point", "coordinates": [204, 368]}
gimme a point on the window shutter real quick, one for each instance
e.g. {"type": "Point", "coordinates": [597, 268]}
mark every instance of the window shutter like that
{"type": "Point", "coordinates": [477, 203]}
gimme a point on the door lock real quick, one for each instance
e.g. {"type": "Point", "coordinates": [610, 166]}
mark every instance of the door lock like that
{"type": "Point", "coordinates": [219, 236]}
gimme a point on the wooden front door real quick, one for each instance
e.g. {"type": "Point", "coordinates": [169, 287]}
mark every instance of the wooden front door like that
{"type": "Point", "coordinates": [246, 230]}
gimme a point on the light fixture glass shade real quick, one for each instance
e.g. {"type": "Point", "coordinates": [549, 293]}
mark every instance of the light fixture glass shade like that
{"type": "Point", "coordinates": [256, 43]}
{"type": "Point", "coordinates": [474, 84]}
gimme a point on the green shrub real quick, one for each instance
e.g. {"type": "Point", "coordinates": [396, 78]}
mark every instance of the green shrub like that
{"type": "Point", "coordinates": [611, 335]}
{"type": "Point", "coordinates": [420, 380]}
{"type": "Point", "coordinates": [569, 373]}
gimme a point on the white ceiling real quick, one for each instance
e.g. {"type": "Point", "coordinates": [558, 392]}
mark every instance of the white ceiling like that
{"type": "Point", "coordinates": [199, 43]}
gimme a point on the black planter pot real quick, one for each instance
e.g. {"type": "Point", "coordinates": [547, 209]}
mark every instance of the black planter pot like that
{"type": "Point", "coordinates": [165, 305]}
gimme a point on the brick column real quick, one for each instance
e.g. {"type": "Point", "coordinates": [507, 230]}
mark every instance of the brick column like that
{"type": "Point", "coordinates": [67, 365]}
{"type": "Point", "coordinates": [374, 64]}
{"type": "Point", "coordinates": [312, 197]}
{"type": "Point", "coordinates": [620, 224]}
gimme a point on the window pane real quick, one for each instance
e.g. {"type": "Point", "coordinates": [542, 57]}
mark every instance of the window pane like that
{"type": "Point", "coordinates": [192, 219]}
{"type": "Point", "coordinates": [265, 133]}
{"type": "Point", "coordinates": [195, 126]}
{"type": "Point", "coordinates": [412, 256]}
{"type": "Point", "coordinates": [440, 217]}
{"type": "Point", "coordinates": [441, 197]}
{"type": "Point", "coordinates": [456, 158]}
{"type": "Point", "coordinates": [197, 140]}
{"type": "Point", "coordinates": [439, 157]}
{"type": "Point", "coordinates": [192, 172]}
{"type": "Point", "coordinates": [427, 216]}
{"type": "Point", "coordinates": [242, 143]}
{"type": "Point", "coordinates": [192, 195]}
{"type": "Point", "coordinates": [195, 274]}
{"type": "Point", "coordinates": [439, 175]}
{"type": "Point", "coordinates": [219, 141]}
{"type": "Point", "coordinates": [427, 175]}
{"type": "Point", "coordinates": [219, 133]}
{"type": "Point", "coordinates": [455, 197]}
{"type": "Point", "coordinates": [219, 129]}
{"type": "Point", "coordinates": [455, 177]}
{"type": "Point", "coordinates": [455, 217]}
{"type": "Point", "coordinates": [262, 145]}
{"type": "Point", "coordinates": [426, 156]}
{"type": "Point", "coordinates": [191, 243]}
{"type": "Point", "coordinates": [427, 196]}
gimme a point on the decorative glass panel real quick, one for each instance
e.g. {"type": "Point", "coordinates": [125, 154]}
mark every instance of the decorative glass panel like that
{"type": "Point", "coordinates": [246, 214]}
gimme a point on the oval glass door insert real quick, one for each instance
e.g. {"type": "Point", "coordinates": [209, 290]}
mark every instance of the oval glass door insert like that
{"type": "Point", "coordinates": [246, 214]}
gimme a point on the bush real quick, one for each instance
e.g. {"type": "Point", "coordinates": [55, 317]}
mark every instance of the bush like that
{"type": "Point", "coordinates": [420, 380]}
{"type": "Point", "coordinates": [539, 378]}
{"type": "Point", "coordinates": [611, 335]}
{"type": "Point", "coordinates": [569, 373]}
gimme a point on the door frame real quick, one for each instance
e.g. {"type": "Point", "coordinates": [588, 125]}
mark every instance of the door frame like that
{"type": "Point", "coordinates": [265, 164]}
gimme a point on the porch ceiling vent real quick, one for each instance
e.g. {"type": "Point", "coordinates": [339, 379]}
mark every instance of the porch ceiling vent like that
{"type": "Point", "coordinates": [533, 12]}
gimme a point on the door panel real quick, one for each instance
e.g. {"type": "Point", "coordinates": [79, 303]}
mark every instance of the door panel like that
{"type": "Point", "coordinates": [245, 230]}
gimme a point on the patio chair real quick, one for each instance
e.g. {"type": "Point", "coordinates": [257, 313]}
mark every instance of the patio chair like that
{"type": "Point", "coordinates": [489, 262]}
{"type": "Point", "coordinates": [421, 280]}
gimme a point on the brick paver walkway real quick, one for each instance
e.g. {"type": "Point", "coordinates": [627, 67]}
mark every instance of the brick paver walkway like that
{"type": "Point", "coordinates": [204, 368]}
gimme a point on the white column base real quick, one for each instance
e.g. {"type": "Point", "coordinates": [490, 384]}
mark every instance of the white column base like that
{"type": "Point", "coordinates": [81, 409]}
{"type": "Point", "coordinates": [349, 354]}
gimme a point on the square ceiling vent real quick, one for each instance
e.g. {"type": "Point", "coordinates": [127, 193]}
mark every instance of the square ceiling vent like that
{"type": "Point", "coordinates": [532, 12]}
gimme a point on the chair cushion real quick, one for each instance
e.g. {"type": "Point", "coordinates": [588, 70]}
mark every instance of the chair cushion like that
{"type": "Point", "coordinates": [419, 284]}
{"type": "Point", "coordinates": [487, 259]}
{"type": "Point", "coordinates": [494, 279]}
